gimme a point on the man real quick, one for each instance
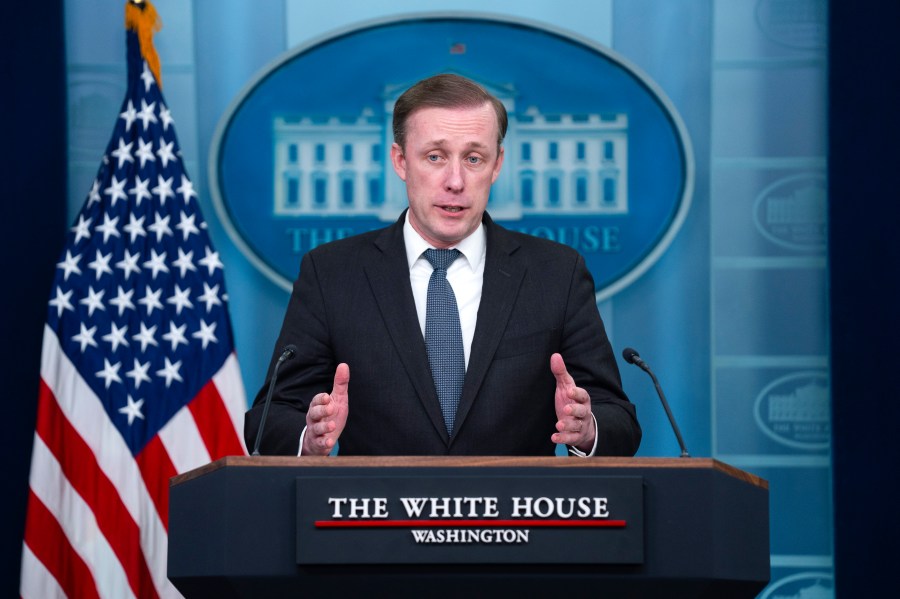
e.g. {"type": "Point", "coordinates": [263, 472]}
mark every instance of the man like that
{"type": "Point", "coordinates": [522, 336]}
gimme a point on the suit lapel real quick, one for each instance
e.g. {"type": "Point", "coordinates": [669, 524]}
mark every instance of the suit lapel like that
{"type": "Point", "coordinates": [388, 274]}
{"type": "Point", "coordinates": [502, 279]}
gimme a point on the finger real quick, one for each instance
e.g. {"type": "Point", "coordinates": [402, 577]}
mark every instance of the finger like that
{"type": "Point", "coordinates": [578, 425]}
{"type": "Point", "coordinates": [580, 410]}
{"type": "Point", "coordinates": [323, 427]}
{"type": "Point", "coordinates": [319, 399]}
{"type": "Point", "coordinates": [324, 412]}
{"type": "Point", "coordinates": [572, 425]}
{"type": "Point", "coordinates": [557, 364]}
{"type": "Point", "coordinates": [558, 368]}
{"type": "Point", "coordinates": [567, 438]}
{"type": "Point", "coordinates": [341, 381]}
{"type": "Point", "coordinates": [321, 442]}
{"type": "Point", "coordinates": [319, 407]}
{"type": "Point", "coordinates": [574, 432]}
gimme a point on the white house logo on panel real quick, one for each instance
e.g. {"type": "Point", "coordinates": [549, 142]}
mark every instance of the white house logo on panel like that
{"type": "Point", "coordinates": [795, 410]}
{"type": "Point", "coordinates": [806, 585]}
{"type": "Point", "coordinates": [596, 156]}
{"type": "Point", "coordinates": [792, 212]}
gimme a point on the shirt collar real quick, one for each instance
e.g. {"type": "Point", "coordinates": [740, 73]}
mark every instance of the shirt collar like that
{"type": "Point", "coordinates": [472, 247]}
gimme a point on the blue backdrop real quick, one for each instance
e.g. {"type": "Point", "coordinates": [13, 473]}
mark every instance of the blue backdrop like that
{"type": "Point", "coordinates": [734, 317]}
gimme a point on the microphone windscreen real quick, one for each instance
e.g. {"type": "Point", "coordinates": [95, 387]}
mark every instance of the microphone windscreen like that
{"type": "Point", "coordinates": [630, 354]}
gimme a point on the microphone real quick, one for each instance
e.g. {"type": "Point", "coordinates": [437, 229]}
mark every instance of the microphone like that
{"type": "Point", "coordinates": [286, 354]}
{"type": "Point", "coordinates": [632, 357]}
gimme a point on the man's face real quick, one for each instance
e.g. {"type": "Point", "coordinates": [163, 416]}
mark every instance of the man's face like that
{"type": "Point", "coordinates": [450, 161]}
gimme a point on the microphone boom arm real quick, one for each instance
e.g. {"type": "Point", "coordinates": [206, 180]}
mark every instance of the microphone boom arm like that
{"type": "Point", "coordinates": [662, 398]}
{"type": "Point", "coordinates": [632, 357]}
{"type": "Point", "coordinates": [287, 353]}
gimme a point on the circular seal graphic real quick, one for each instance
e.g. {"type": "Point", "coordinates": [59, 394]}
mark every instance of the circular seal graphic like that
{"type": "Point", "coordinates": [806, 585]}
{"type": "Point", "coordinates": [596, 157]}
{"type": "Point", "coordinates": [799, 24]}
{"type": "Point", "coordinates": [792, 212]}
{"type": "Point", "coordinates": [794, 410]}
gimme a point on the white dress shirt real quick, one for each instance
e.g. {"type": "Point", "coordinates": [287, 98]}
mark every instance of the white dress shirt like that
{"type": "Point", "coordinates": [465, 275]}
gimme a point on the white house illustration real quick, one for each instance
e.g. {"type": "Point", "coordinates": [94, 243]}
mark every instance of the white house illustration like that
{"type": "Point", "coordinates": [809, 403]}
{"type": "Point", "coordinates": [565, 164]}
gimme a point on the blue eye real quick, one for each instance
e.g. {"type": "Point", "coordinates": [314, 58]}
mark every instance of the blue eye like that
{"type": "Point", "coordinates": [433, 157]}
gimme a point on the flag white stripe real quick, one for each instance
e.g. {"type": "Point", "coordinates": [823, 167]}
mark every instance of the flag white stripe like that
{"type": "Point", "coordinates": [82, 408]}
{"type": "Point", "coordinates": [37, 582]}
{"type": "Point", "coordinates": [77, 520]}
{"type": "Point", "coordinates": [230, 385]}
{"type": "Point", "coordinates": [159, 567]}
{"type": "Point", "coordinates": [181, 438]}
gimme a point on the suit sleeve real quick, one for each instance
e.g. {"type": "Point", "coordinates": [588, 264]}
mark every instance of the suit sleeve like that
{"type": "Point", "coordinates": [591, 362]}
{"type": "Point", "coordinates": [309, 372]}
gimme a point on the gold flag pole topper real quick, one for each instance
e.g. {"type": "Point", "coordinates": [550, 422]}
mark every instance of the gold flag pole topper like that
{"type": "Point", "coordinates": [141, 17]}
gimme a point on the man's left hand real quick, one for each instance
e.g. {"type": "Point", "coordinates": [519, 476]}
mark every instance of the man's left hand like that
{"type": "Point", "coordinates": [575, 426]}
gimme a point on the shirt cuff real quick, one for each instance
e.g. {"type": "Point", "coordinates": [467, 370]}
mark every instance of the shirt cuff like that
{"type": "Point", "coordinates": [572, 449]}
{"type": "Point", "coordinates": [300, 450]}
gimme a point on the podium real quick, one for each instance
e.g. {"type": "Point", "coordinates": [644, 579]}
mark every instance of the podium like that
{"type": "Point", "coordinates": [483, 526]}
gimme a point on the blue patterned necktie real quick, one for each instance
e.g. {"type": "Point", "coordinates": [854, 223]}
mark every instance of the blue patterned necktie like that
{"type": "Point", "coordinates": [443, 335]}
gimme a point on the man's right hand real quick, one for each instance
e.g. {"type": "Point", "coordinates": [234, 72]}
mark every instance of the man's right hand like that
{"type": "Point", "coordinates": [327, 416]}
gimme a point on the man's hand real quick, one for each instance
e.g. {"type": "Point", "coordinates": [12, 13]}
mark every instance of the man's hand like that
{"type": "Point", "coordinates": [573, 409]}
{"type": "Point", "coordinates": [327, 416]}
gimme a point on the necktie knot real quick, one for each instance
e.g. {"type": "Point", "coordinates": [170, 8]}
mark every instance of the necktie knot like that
{"type": "Point", "coordinates": [441, 259]}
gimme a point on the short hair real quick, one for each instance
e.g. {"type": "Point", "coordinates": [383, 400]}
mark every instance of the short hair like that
{"type": "Point", "coordinates": [445, 91]}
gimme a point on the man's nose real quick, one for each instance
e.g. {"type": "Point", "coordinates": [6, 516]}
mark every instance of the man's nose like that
{"type": "Point", "coordinates": [455, 180]}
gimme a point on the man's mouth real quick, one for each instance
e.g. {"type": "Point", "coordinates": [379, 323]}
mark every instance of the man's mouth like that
{"type": "Point", "coordinates": [451, 208]}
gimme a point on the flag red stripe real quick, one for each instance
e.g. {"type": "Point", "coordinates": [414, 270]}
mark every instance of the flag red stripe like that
{"type": "Point", "coordinates": [214, 423]}
{"type": "Point", "coordinates": [157, 468]}
{"type": "Point", "coordinates": [80, 467]}
{"type": "Point", "coordinates": [49, 544]}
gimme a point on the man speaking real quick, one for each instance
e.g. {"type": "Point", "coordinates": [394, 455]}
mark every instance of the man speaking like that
{"type": "Point", "coordinates": [444, 333]}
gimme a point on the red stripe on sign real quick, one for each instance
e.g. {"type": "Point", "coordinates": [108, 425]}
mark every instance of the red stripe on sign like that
{"type": "Point", "coordinates": [470, 523]}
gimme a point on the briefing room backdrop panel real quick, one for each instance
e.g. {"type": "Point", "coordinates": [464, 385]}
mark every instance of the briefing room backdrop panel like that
{"type": "Point", "coordinates": [680, 146]}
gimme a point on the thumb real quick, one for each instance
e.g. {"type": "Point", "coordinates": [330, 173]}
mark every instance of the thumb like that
{"type": "Point", "coordinates": [558, 368]}
{"type": "Point", "coordinates": [341, 380]}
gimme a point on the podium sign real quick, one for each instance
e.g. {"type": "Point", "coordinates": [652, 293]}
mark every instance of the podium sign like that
{"type": "Point", "coordinates": [261, 527]}
{"type": "Point", "coordinates": [465, 518]}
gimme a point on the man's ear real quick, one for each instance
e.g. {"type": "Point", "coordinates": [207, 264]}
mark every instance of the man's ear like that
{"type": "Point", "coordinates": [398, 160]}
{"type": "Point", "coordinates": [498, 165]}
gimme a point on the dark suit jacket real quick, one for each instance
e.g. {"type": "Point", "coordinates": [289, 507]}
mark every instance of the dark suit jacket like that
{"type": "Point", "coordinates": [353, 303]}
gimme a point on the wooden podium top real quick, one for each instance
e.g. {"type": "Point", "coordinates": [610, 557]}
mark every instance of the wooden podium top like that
{"type": "Point", "coordinates": [466, 462]}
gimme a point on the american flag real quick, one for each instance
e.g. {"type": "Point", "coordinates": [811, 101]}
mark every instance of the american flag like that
{"type": "Point", "coordinates": [139, 379]}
